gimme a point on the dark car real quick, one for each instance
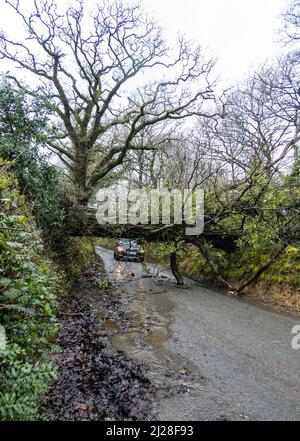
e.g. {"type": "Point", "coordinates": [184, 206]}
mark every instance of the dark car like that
{"type": "Point", "coordinates": [128, 249]}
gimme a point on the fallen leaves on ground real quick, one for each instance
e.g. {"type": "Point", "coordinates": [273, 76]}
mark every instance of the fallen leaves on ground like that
{"type": "Point", "coordinates": [95, 382]}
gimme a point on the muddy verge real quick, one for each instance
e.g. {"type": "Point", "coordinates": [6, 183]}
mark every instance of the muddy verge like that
{"type": "Point", "coordinates": [95, 381]}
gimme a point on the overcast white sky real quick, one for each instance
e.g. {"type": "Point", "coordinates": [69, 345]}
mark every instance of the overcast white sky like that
{"type": "Point", "coordinates": [240, 33]}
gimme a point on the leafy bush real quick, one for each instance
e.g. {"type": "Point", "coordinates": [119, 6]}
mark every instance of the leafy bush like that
{"type": "Point", "coordinates": [29, 286]}
{"type": "Point", "coordinates": [22, 383]}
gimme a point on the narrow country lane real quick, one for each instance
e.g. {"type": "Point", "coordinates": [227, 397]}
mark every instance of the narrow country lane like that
{"type": "Point", "coordinates": [223, 357]}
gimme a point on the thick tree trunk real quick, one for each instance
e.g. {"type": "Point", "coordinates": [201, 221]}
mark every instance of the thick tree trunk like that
{"type": "Point", "coordinates": [80, 174]}
{"type": "Point", "coordinates": [174, 268]}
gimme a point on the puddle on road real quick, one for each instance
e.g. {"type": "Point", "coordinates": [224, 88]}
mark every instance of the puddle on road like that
{"type": "Point", "coordinates": [183, 394]}
{"type": "Point", "coordinates": [111, 325]}
{"type": "Point", "coordinates": [149, 311]}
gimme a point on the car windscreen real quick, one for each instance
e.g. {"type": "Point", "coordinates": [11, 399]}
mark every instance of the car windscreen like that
{"type": "Point", "coordinates": [122, 241]}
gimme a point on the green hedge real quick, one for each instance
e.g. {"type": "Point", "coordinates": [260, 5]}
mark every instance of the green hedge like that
{"type": "Point", "coordinates": [29, 287]}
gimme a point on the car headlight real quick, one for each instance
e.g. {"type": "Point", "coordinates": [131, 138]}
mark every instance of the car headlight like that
{"type": "Point", "coordinates": [142, 251]}
{"type": "Point", "coordinates": [121, 250]}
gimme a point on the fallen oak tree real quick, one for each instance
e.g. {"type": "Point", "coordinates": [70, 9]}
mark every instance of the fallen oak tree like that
{"type": "Point", "coordinates": [87, 225]}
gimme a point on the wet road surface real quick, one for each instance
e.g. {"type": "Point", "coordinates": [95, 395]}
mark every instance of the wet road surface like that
{"type": "Point", "coordinates": [223, 357]}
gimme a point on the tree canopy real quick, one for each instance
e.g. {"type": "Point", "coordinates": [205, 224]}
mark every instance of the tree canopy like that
{"type": "Point", "coordinates": [91, 70]}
